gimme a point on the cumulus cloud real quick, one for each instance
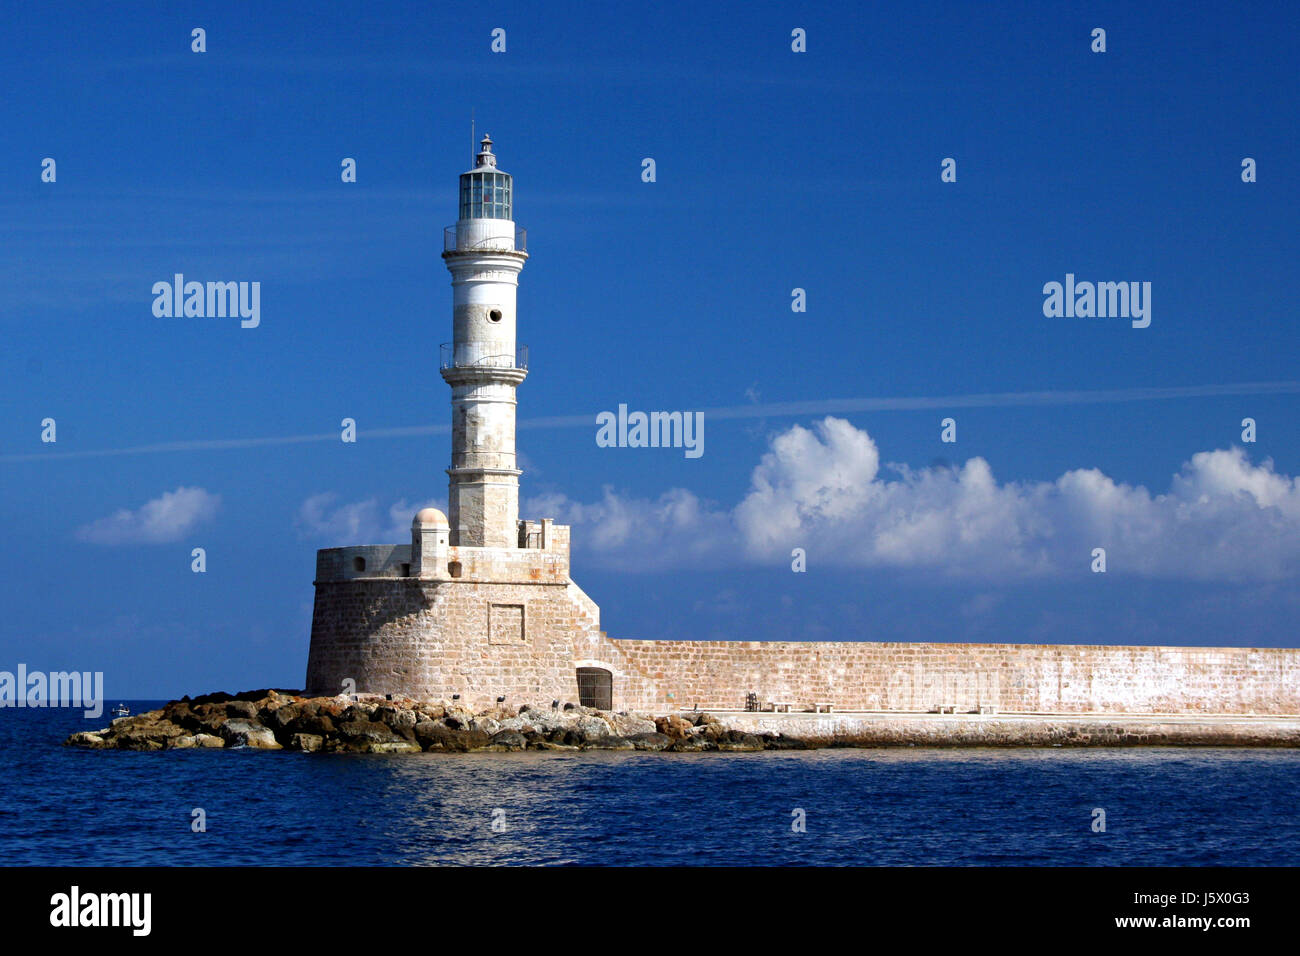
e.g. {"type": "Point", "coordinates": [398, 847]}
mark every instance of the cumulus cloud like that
{"type": "Point", "coordinates": [825, 489]}
{"type": "Point", "coordinates": [164, 519]}
{"type": "Point", "coordinates": [633, 533]}
{"type": "Point", "coordinates": [357, 522]}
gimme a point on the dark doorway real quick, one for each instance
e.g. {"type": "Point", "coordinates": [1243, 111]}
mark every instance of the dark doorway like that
{"type": "Point", "coordinates": [596, 688]}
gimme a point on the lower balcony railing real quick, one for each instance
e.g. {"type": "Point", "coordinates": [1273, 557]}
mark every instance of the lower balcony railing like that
{"type": "Point", "coordinates": [480, 355]}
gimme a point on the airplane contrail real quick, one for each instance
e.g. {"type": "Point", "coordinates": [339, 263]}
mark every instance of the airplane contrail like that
{"type": "Point", "coordinates": [755, 410]}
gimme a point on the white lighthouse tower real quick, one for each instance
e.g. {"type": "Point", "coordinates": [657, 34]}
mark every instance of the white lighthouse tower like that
{"type": "Point", "coordinates": [482, 364]}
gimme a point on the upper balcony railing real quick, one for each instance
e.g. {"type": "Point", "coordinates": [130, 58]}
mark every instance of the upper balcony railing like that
{"type": "Point", "coordinates": [451, 242]}
{"type": "Point", "coordinates": [479, 355]}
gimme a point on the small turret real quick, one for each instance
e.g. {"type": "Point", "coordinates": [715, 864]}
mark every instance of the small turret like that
{"type": "Point", "coordinates": [430, 536]}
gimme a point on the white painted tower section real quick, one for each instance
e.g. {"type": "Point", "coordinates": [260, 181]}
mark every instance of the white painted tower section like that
{"type": "Point", "coordinates": [482, 364]}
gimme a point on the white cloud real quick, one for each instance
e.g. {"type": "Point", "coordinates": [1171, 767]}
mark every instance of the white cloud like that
{"type": "Point", "coordinates": [822, 489]}
{"type": "Point", "coordinates": [164, 519]}
{"type": "Point", "coordinates": [358, 522]}
{"type": "Point", "coordinates": [638, 534]}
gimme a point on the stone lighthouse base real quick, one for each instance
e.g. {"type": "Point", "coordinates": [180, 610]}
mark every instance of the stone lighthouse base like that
{"type": "Point", "coordinates": [430, 620]}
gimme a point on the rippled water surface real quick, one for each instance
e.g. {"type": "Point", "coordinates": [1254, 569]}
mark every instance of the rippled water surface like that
{"type": "Point", "coordinates": [63, 806]}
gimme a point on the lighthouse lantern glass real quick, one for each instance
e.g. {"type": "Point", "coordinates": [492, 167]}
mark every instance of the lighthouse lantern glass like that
{"type": "Point", "coordinates": [485, 195]}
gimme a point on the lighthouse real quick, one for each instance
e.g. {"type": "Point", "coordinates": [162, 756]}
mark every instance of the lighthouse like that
{"type": "Point", "coordinates": [479, 606]}
{"type": "Point", "coordinates": [483, 364]}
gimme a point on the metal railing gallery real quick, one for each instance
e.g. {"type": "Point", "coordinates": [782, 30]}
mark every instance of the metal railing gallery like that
{"type": "Point", "coordinates": [451, 242]}
{"type": "Point", "coordinates": [478, 355]}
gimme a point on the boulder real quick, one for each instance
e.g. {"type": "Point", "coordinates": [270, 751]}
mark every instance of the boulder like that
{"type": "Point", "coordinates": [435, 736]}
{"type": "Point", "coordinates": [592, 728]}
{"type": "Point", "coordinates": [523, 724]}
{"type": "Point", "coordinates": [242, 708]}
{"type": "Point", "coordinates": [87, 738]}
{"type": "Point", "coordinates": [246, 733]}
{"type": "Point", "coordinates": [307, 743]}
{"type": "Point", "coordinates": [181, 714]}
{"type": "Point", "coordinates": [610, 742]}
{"type": "Point", "coordinates": [630, 725]}
{"type": "Point", "coordinates": [359, 712]}
{"type": "Point", "coordinates": [281, 717]}
{"type": "Point", "coordinates": [144, 732]}
{"type": "Point", "coordinates": [564, 736]}
{"type": "Point", "coordinates": [399, 720]}
{"type": "Point", "coordinates": [319, 724]}
{"type": "Point", "coordinates": [488, 725]}
{"type": "Point", "coordinates": [366, 730]}
{"type": "Point", "coordinates": [208, 741]}
{"type": "Point", "coordinates": [509, 740]}
{"type": "Point", "coordinates": [650, 741]}
{"type": "Point", "coordinates": [673, 726]}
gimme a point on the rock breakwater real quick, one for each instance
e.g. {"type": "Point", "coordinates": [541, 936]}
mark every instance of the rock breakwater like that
{"type": "Point", "coordinates": [366, 723]}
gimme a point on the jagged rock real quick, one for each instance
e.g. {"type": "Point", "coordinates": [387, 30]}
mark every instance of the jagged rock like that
{"type": "Point", "coordinates": [308, 743]}
{"type": "Point", "coordinates": [366, 730]}
{"type": "Point", "coordinates": [673, 726]}
{"type": "Point", "coordinates": [691, 744]}
{"type": "Point", "coordinates": [509, 740]}
{"type": "Point", "coordinates": [242, 708]}
{"type": "Point", "coordinates": [523, 724]}
{"type": "Point", "coordinates": [358, 713]}
{"type": "Point", "coordinates": [610, 742]}
{"type": "Point", "coordinates": [145, 732]}
{"type": "Point", "coordinates": [592, 727]}
{"type": "Point", "coordinates": [246, 733]}
{"type": "Point", "coordinates": [318, 724]}
{"type": "Point", "coordinates": [488, 725]}
{"type": "Point", "coordinates": [630, 725]}
{"type": "Point", "coordinates": [439, 737]}
{"type": "Point", "coordinates": [401, 721]}
{"type": "Point", "coordinates": [87, 738]}
{"type": "Point", "coordinates": [208, 741]}
{"type": "Point", "coordinates": [182, 715]}
{"type": "Point", "coordinates": [650, 741]}
{"type": "Point", "coordinates": [735, 741]}
{"type": "Point", "coordinates": [281, 717]}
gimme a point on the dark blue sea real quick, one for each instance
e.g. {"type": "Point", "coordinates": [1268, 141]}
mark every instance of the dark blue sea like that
{"type": "Point", "coordinates": [66, 806]}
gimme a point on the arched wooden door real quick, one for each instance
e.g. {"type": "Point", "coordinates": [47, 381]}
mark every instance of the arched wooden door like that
{"type": "Point", "coordinates": [596, 688]}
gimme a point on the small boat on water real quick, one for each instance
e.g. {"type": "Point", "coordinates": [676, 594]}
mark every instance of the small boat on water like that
{"type": "Point", "coordinates": [121, 710]}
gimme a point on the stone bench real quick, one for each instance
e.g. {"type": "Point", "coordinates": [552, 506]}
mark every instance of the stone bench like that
{"type": "Point", "coordinates": [822, 706]}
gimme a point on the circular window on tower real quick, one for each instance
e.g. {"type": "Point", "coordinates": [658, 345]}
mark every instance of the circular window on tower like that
{"type": "Point", "coordinates": [495, 315]}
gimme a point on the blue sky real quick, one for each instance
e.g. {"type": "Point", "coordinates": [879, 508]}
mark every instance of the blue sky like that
{"type": "Point", "coordinates": [775, 170]}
